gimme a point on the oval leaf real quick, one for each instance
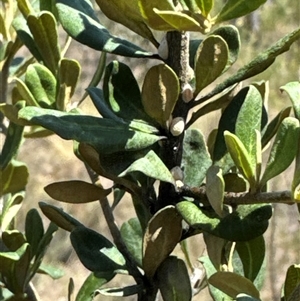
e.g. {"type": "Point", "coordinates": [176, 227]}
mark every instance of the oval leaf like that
{"type": "Point", "coordinates": [293, 90]}
{"type": "Point", "coordinates": [211, 59]}
{"type": "Point", "coordinates": [96, 252]}
{"type": "Point", "coordinates": [233, 284]}
{"type": "Point", "coordinates": [283, 150]}
{"type": "Point", "coordinates": [76, 192]}
{"type": "Point", "coordinates": [161, 236]}
{"type": "Point", "coordinates": [160, 93]}
{"type": "Point", "coordinates": [292, 281]}
{"type": "Point", "coordinates": [174, 281]}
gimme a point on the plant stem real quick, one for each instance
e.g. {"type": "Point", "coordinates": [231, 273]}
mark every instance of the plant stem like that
{"type": "Point", "coordinates": [241, 198]}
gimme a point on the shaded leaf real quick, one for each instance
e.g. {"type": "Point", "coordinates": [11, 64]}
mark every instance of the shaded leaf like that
{"type": "Point", "coordinates": [296, 178]}
{"type": "Point", "coordinates": [59, 217]}
{"type": "Point", "coordinates": [292, 280]}
{"type": "Point", "coordinates": [132, 235]}
{"type": "Point", "coordinates": [273, 126]}
{"type": "Point", "coordinates": [152, 166]}
{"type": "Point", "coordinates": [234, 182]}
{"type": "Point", "coordinates": [241, 157]}
{"type": "Point", "coordinates": [105, 135]}
{"type": "Point", "coordinates": [119, 291]}
{"type": "Point", "coordinates": [13, 239]}
{"type": "Point", "coordinates": [205, 6]}
{"type": "Point", "coordinates": [237, 8]}
{"type": "Point", "coordinates": [68, 75]}
{"type": "Point", "coordinates": [232, 38]}
{"type": "Point", "coordinates": [91, 283]}
{"type": "Point", "coordinates": [215, 188]}
{"type": "Point", "coordinates": [195, 159]}
{"type": "Point", "coordinates": [211, 59]}
{"type": "Point", "coordinates": [34, 230]}
{"type": "Point", "coordinates": [162, 235]}
{"type": "Point", "coordinates": [11, 112]}
{"type": "Point", "coordinates": [76, 192]}
{"type": "Point", "coordinates": [44, 30]}
{"type": "Point", "coordinates": [160, 92]}
{"type": "Point", "coordinates": [127, 13]}
{"type": "Point", "coordinates": [80, 22]}
{"type": "Point", "coordinates": [252, 254]}
{"type": "Point", "coordinates": [283, 150]}
{"type": "Point", "coordinates": [260, 63]}
{"type": "Point", "coordinates": [293, 91]}
{"type": "Point", "coordinates": [42, 84]}
{"type": "Point", "coordinates": [245, 297]}
{"type": "Point", "coordinates": [96, 252]}
{"type": "Point", "coordinates": [245, 223]}
{"type": "Point", "coordinates": [51, 271]}
{"type": "Point", "coordinates": [173, 280]}
{"type": "Point", "coordinates": [233, 284]}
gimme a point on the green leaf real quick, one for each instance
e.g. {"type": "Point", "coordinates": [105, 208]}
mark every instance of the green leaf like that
{"type": "Point", "coordinates": [42, 84]}
{"type": "Point", "coordinates": [121, 92]}
{"type": "Point", "coordinates": [160, 92]}
{"type": "Point", "coordinates": [205, 6]}
{"type": "Point", "coordinates": [11, 207]}
{"type": "Point", "coordinates": [173, 280]}
{"type": "Point", "coordinates": [152, 166]}
{"type": "Point", "coordinates": [232, 38]}
{"type": "Point", "coordinates": [241, 157]}
{"type": "Point", "coordinates": [11, 112]}
{"type": "Point", "coordinates": [215, 188]}
{"type": "Point", "coordinates": [234, 182]}
{"type": "Point", "coordinates": [34, 230]}
{"type": "Point", "coordinates": [211, 59]}
{"type": "Point", "coordinates": [127, 13]}
{"type": "Point", "coordinates": [53, 272]}
{"type": "Point", "coordinates": [119, 291]}
{"type": "Point", "coordinates": [96, 252]}
{"type": "Point", "coordinates": [11, 145]}
{"type": "Point", "coordinates": [195, 159]}
{"type": "Point", "coordinates": [13, 239]}
{"type": "Point", "coordinates": [162, 235]}
{"type": "Point", "coordinates": [273, 126]}
{"type": "Point", "coordinates": [252, 254]}
{"type": "Point", "coordinates": [283, 150]}
{"type": "Point", "coordinates": [59, 217]}
{"type": "Point", "coordinates": [14, 177]}
{"type": "Point", "coordinates": [233, 284]}
{"type": "Point", "coordinates": [80, 22]}
{"type": "Point", "coordinates": [293, 91]}
{"type": "Point", "coordinates": [260, 63]}
{"type": "Point", "coordinates": [132, 235]}
{"type": "Point", "coordinates": [105, 135]}
{"type": "Point", "coordinates": [91, 283]}
{"type": "Point", "coordinates": [292, 281]}
{"type": "Point", "coordinates": [25, 93]}
{"type": "Point", "coordinates": [296, 178]}
{"type": "Point", "coordinates": [76, 192]}
{"type": "Point", "coordinates": [68, 75]}
{"type": "Point", "coordinates": [180, 21]}
{"type": "Point", "coordinates": [237, 8]}
{"type": "Point", "coordinates": [44, 30]}
{"type": "Point", "coordinates": [249, 120]}
{"type": "Point", "coordinates": [245, 297]}
{"type": "Point", "coordinates": [245, 223]}
{"type": "Point", "coordinates": [152, 19]}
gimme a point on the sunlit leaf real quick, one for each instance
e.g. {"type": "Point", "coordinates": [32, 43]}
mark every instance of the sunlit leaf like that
{"type": "Point", "coordinates": [205, 6]}
{"type": "Point", "coordinates": [173, 280]}
{"type": "Point", "coordinates": [96, 252]}
{"type": "Point", "coordinates": [51, 271]}
{"type": "Point", "coordinates": [210, 61]}
{"type": "Point", "coordinates": [233, 284]}
{"type": "Point", "coordinates": [195, 159]}
{"type": "Point", "coordinates": [283, 150]}
{"type": "Point", "coordinates": [160, 92]}
{"type": "Point", "coordinates": [215, 188]}
{"type": "Point", "coordinates": [76, 192]}
{"type": "Point", "coordinates": [44, 30]}
{"type": "Point", "coordinates": [161, 236]}
{"type": "Point", "coordinates": [293, 90]}
{"type": "Point", "coordinates": [80, 22]}
{"type": "Point", "coordinates": [127, 13]}
{"type": "Point", "coordinates": [237, 8]}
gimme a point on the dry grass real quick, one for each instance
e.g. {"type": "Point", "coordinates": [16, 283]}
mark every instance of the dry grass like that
{"type": "Point", "coordinates": [51, 159]}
